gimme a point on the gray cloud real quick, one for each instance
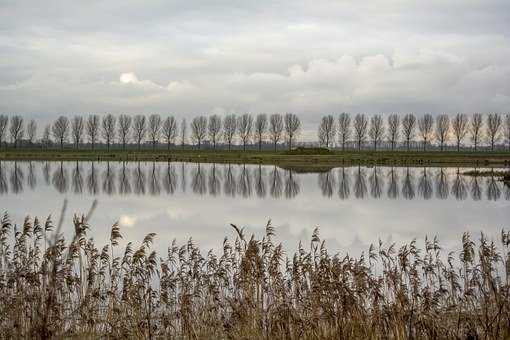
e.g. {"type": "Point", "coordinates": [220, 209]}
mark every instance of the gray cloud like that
{"type": "Point", "coordinates": [307, 57]}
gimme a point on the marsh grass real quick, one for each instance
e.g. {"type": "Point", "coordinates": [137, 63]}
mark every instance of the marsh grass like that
{"type": "Point", "coordinates": [52, 287]}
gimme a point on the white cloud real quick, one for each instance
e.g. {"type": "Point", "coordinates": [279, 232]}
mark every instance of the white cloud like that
{"type": "Point", "coordinates": [129, 77]}
{"type": "Point", "coordinates": [255, 57]}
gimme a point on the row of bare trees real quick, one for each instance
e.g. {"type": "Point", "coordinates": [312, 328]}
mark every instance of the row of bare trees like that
{"type": "Point", "coordinates": [126, 130]}
{"type": "Point", "coordinates": [395, 128]}
{"type": "Point", "coordinates": [247, 129]}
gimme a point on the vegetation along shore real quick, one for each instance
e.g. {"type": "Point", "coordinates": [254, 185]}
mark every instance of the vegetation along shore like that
{"type": "Point", "coordinates": [52, 287]}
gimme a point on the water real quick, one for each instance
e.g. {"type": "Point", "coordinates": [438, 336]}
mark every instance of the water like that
{"type": "Point", "coordinates": [353, 206]}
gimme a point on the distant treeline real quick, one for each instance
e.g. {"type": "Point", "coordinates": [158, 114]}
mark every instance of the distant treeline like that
{"type": "Point", "coordinates": [346, 131]}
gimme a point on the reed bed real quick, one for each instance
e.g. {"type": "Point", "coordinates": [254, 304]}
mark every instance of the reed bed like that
{"type": "Point", "coordinates": [52, 287]}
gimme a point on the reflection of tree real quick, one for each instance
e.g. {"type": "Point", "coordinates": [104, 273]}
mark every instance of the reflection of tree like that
{"type": "Point", "coordinates": [77, 179]}
{"type": "Point", "coordinates": [327, 183]}
{"type": "Point", "coordinates": [476, 191]}
{"type": "Point", "coordinates": [47, 172]}
{"type": "Point", "coordinates": [344, 184]}
{"type": "Point", "coordinates": [408, 185]}
{"type": "Point", "coordinates": [291, 185]}
{"type": "Point", "coordinates": [4, 188]}
{"type": "Point", "coordinates": [183, 177]}
{"type": "Point", "coordinates": [154, 184]}
{"type": "Point", "coordinates": [244, 184]}
{"type": "Point", "coordinates": [360, 185]}
{"type": "Point", "coordinates": [376, 184]}
{"type": "Point", "coordinates": [260, 183]}
{"type": "Point", "coordinates": [393, 189]}
{"type": "Point", "coordinates": [170, 179]}
{"type": "Point", "coordinates": [109, 180]}
{"type": "Point", "coordinates": [493, 190]}
{"type": "Point", "coordinates": [442, 186]}
{"type": "Point", "coordinates": [124, 180]}
{"type": "Point", "coordinates": [229, 186]}
{"type": "Point", "coordinates": [139, 178]}
{"type": "Point", "coordinates": [92, 182]}
{"type": "Point", "coordinates": [60, 180]}
{"type": "Point", "coordinates": [31, 178]}
{"type": "Point", "coordinates": [198, 182]}
{"type": "Point", "coordinates": [17, 179]}
{"type": "Point", "coordinates": [425, 185]}
{"type": "Point", "coordinates": [507, 191]}
{"type": "Point", "coordinates": [459, 187]}
{"type": "Point", "coordinates": [276, 184]}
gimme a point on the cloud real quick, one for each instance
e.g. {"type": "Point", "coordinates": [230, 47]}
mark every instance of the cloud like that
{"type": "Point", "coordinates": [311, 59]}
{"type": "Point", "coordinates": [129, 77]}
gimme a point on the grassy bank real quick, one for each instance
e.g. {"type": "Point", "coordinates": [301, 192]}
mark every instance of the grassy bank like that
{"type": "Point", "coordinates": [56, 288]}
{"type": "Point", "coordinates": [303, 158]}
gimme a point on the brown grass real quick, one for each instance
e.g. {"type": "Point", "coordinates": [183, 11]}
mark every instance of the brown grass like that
{"type": "Point", "coordinates": [51, 287]}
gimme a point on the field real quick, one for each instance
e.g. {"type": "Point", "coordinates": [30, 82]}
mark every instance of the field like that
{"type": "Point", "coordinates": [51, 287]}
{"type": "Point", "coordinates": [298, 158]}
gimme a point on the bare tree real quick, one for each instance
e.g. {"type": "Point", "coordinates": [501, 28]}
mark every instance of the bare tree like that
{"type": "Point", "coordinates": [459, 127]}
{"type": "Point", "coordinates": [393, 129]}
{"type": "Point", "coordinates": [408, 127]}
{"type": "Point", "coordinates": [92, 129]}
{"type": "Point", "coordinates": [344, 128]}
{"type": "Point", "coordinates": [4, 121]}
{"type": "Point", "coordinates": [494, 123]}
{"type": "Point", "coordinates": [184, 127]}
{"type": "Point", "coordinates": [507, 129]}
{"type": "Point", "coordinates": [60, 130]}
{"type": "Point", "coordinates": [199, 129]}
{"type": "Point", "coordinates": [476, 128]}
{"type": "Point", "coordinates": [16, 130]}
{"type": "Point", "coordinates": [124, 129]}
{"type": "Point", "coordinates": [360, 128]}
{"type": "Point", "coordinates": [442, 129]}
{"type": "Point", "coordinates": [214, 129]}
{"type": "Point", "coordinates": [425, 126]}
{"type": "Point", "coordinates": [31, 131]}
{"type": "Point", "coordinates": [376, 131]}
{"type": "Point", "coordinates": [244, 128]}
{"type": "Point", "coordinates": [169, 130]}
{"type": "Point", "coordinates": [260, 128]}
{"type": "Point", "coordinates": [327, 130]}
{"type": "Point", "coordinates": [77, 128]}
{"type": "Point", "coordinates": [46, 137]}
{"type": "Point", "coordinates": [154, 129]}
{"type": "Point", "coordinates": [139, 129]}
{"type": "Point", "coordinates": [292, 127]}
{"type": "Point", "coordinates": [108, 129]}
{"type": "Point", "coordinates": [229, 128]}
{"type": "Point", "coordinates": [275, 128]}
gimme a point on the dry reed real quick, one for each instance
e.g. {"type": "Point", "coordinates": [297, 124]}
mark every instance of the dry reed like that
{"type": "Point", "coordinates": [50, 287]}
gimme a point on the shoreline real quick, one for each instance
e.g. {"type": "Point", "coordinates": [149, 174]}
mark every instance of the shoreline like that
{"type": "Point", "coordinates": [285, 159]}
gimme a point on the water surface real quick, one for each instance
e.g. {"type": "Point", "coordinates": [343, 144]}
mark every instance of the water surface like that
{"type": "Point", "coordinates": [353, 206]}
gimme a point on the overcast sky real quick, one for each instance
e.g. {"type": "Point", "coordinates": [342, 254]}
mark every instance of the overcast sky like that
{"type": "Point", "coordinates": [307, 57]}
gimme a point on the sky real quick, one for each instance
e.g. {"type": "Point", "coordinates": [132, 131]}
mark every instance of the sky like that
{"type": "Point", "coordinates": [201, 57]}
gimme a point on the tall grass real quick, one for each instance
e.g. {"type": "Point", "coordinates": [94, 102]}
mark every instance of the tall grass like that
{"type": "Point", "coordinates": [52, 287]}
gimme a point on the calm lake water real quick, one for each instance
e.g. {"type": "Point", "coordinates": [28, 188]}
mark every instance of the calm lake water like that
{"type": "Point", "coordinates": [353, 206]}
